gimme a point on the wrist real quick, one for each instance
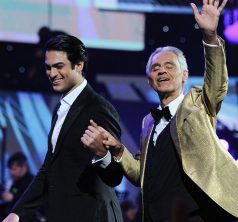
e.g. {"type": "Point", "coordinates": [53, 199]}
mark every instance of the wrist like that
{"type": "Point", "coordinates": [101, 154]}
{"type": "Point", "coordinates": [117, 150]}
{"type": "Point", "coordinates": [210, 37]}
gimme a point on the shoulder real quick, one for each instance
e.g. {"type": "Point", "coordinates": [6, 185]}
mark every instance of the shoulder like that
{"type": "Point", "coordinates": [101, 103]}
{"type": "Point", "coordinates": [147, 120]}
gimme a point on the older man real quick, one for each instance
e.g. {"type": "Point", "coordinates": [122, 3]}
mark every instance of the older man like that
{"type": "Point", "coordinates": [184, 172]}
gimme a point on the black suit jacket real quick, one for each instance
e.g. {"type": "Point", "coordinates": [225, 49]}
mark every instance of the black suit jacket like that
{"type": "Point", "coordinates": [76, 189]}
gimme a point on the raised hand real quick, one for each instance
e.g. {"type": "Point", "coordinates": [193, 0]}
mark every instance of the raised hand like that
{"type": "Point", "coordinates": [208, 19]}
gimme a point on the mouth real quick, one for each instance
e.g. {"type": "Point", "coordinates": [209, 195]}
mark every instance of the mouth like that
{"type": "Point", "coordinates": [56, 81]}
{"type": "Point", "coordinates": [162, 79]}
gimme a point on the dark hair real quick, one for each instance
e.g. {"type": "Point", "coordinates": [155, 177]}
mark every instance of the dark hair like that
{"type": "Point", "coordinates": [72, 46]}
{"type": "Point", "coordinates": [18, 158]}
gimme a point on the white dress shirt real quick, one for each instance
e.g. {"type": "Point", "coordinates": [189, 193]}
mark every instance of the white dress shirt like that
{"type": "Point", "coordinates": [65, 104]}
{"type": "Point", "coordinates": [173, 106]}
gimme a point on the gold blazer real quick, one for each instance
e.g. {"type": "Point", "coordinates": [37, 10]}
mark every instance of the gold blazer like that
{"type": "Point", "coordinates": [193, 130]}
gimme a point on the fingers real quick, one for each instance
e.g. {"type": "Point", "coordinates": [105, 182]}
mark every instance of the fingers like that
{"type": "Point", "coordinates": [108, 142]}
{"type": "Point", "coordinates": [222, 6]}
{"type": "Point", "coordinates": [195, 9]}
{"type": "Point", "coordinates": [216, 3]}
{"type": "Point", "coordinates": [86, 140]}
{"type": "Point", "coordinates": [92, 129]}
{"type": "Point", "coordinates": [211, 2]}
{"type": "Point", "coordinates": [91, 133]}
{"type": "Point", "coordinates": [96, 128]}
{"type": "Point", "coordinates": [93, 124]}
{"type": "Point", "coordinates": [89, 136]}
{"type": "Point", "coordinates": [97, 134]}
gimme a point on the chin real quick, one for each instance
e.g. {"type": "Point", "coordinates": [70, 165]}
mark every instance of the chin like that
{"type": "Point", "coordinates": [163, 90]}
{"type": "Point", "coordinates": [57, 89]}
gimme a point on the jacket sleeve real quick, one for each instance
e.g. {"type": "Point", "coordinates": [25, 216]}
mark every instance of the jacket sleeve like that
{"type": "Point", "coordinates": [132, 165]}
{"type": "Point", "coordinates": [106, 116]}
{"type": "Point", "coordinates": [215, 77]}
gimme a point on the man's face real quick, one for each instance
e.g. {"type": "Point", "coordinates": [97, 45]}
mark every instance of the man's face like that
{"type": "Point", "coordinates": [60, 72]}
{"type": "Point", "coordinates": [165, 75]}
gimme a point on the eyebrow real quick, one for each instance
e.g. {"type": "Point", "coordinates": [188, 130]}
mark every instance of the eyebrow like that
{"type": "Point", "coordinates": [54, 65]}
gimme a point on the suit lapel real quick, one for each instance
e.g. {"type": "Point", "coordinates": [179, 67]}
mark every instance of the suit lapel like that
{"type": "Point", "coordinates": [72, 115]}
{"type": "Point", "coordinates": [174, 135]}
{"type": "Point", "coordinates": [54, 119]}
{"type": "Point", "coordinates": [147, 131]}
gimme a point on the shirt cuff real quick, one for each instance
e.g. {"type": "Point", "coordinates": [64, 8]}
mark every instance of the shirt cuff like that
{"type": "Point", "coordinates": [118, 160]}
{"type": "Point", "coordinates": [211, 45]}
{"type": "Point", "coordinates": [104, 161]}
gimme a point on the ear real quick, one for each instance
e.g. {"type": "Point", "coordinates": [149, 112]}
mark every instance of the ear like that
{"type": "Point", "coordinates": [79, 66]}
{"type": "Point", "coordinates": [185, 77]}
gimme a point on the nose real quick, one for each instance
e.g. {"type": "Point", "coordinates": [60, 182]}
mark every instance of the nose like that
{"type": "Point", "coordinates": [51, 72]}
{"type": "Point", "coordinates": [161, 70]}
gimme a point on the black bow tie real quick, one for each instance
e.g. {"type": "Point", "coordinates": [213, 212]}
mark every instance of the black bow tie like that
{"type": "Point", "coordinates": [157, 114]}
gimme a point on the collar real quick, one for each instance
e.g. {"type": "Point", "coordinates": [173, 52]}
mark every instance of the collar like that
{"type": "Point", "coordinates": [71, 97]}
{"type": "Point", "coordinates": [173, 106]}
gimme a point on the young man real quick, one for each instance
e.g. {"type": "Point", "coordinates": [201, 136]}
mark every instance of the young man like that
{"type": "Point", "coordinates": [76, 189]}
{"type": "Point", "coordinates": [184, 172]}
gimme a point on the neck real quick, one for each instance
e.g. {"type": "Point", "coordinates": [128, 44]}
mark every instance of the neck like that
{"type": "Point", "coordinates": [165, 99]}
{"type": "Point", "coordinates": [75, 86]}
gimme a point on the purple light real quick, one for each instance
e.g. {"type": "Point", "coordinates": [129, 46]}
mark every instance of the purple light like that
{"type": "Point", "coordinates": [231, 33]}
{"type": "Point", "coordinates": [231, 25]}
{"type": "Point", "coordinates": [225, 144]}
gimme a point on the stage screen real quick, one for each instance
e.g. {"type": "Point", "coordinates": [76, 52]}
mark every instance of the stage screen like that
{"type": "Point", "coordinates": [20, 21]}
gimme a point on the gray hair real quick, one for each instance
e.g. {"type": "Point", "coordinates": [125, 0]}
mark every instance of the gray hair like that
{"type": "Point", "coordinates": [176, 51]}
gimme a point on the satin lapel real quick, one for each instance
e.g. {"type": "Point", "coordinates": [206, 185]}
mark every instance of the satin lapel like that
{"type": "Point", "coordinates": [174, 135]}
{"type": "Point", "coordinates": [146, 139]}
{"type": "Point", "coordinates": [73, 113]}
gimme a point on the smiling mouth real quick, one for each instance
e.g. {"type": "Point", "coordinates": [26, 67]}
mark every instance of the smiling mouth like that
{"type": "Point", "coordinates": [162, 79]}
{"type": "Point", "coordinates": [56, 81]}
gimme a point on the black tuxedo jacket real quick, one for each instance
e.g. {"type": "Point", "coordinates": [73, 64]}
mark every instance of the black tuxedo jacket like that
{"type": "Point", "coordinates": [76, 190]}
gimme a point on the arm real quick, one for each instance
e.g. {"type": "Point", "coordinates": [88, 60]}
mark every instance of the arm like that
{"type": "Point", "coordinates": [215, 78]}
{"type": "Point", "coordinates": [107, 116]}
